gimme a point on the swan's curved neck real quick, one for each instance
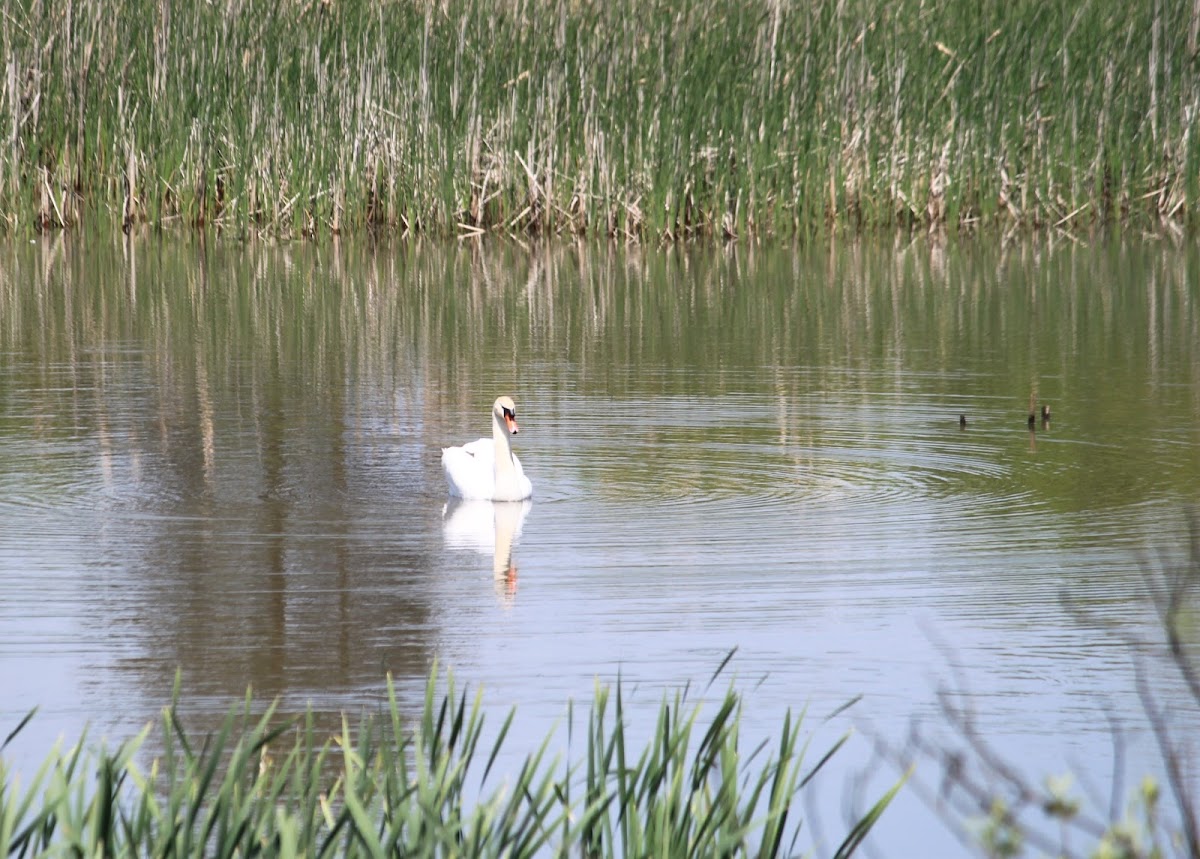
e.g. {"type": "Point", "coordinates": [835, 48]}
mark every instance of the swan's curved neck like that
{"type": "Point", "coordinates": [504, 461]}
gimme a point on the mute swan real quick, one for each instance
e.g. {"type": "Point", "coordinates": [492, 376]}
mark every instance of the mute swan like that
{"type": "Point", "coordinates": [488, 469]}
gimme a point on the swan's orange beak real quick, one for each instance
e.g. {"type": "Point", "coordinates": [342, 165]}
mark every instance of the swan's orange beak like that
{"type": "Point", "coordinates": [511, 422]}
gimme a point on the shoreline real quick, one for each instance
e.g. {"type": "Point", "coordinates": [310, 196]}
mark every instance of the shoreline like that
{"type": "Point", "coordinates": [636, 122]}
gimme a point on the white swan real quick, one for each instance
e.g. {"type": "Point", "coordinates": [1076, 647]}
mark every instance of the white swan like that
{"type": "Point", "coordinates": [487, 469]}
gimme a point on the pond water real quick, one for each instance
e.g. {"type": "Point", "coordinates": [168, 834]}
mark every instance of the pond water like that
{"type": "Point", "coordinates": [223, 460]}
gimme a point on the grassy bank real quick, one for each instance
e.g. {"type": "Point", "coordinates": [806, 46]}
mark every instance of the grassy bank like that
{"type": "Point", "coordinates": [263, 785]}
{"type": "Point", "coordinates": [649, 120]}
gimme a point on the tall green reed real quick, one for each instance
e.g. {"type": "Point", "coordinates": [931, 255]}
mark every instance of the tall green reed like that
{"type": "Point", "coordinates": [650, 120]}
{"type": "Point", "coordinates": [263, 784]}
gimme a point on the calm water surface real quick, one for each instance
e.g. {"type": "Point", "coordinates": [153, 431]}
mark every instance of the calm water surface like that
{"type": "Point", "coordinates": [223, 460]}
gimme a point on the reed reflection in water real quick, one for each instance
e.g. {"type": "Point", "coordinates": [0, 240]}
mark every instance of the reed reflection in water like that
{"type": "Point", "coordinates": [224, 459]}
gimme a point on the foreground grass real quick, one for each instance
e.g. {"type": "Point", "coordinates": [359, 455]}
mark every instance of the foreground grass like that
{"type": "Point", "coordinates": [266, 786]}
{"type": "Point", "coordinates": [644, 120]}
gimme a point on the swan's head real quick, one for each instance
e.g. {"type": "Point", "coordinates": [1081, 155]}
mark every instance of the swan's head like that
{"type": "Point", "coordinates": [504, 410]}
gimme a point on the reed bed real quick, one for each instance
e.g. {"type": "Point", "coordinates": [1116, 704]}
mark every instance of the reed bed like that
{"type": "Point", "coordinates": [265, 785]}
{"type": "Point", "coordinates": [638, 119]}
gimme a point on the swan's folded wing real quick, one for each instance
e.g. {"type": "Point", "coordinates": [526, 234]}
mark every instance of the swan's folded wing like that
{"type": "Point", "coordinates": [469, 469]}
{"type": "Point", "coordinates": [481, 448]}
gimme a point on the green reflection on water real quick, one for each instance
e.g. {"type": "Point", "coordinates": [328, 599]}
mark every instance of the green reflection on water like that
{"type": "Point", "coordinates": [223, 458]}
{"type": "Point", "coordinates": [213, 339]}
{"type": "Point", "coordinates": [256, 428]}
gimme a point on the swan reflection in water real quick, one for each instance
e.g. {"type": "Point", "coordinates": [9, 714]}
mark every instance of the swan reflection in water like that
{"type": "Point", "coordinates": [489, 528]}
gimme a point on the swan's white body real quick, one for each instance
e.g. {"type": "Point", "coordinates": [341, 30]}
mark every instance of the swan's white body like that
{"type": "Point", "coordinates": [487, 469]}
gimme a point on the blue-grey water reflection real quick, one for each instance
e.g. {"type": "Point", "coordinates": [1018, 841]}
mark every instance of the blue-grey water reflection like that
{"type": "Point", "coordinates": [224, 460]}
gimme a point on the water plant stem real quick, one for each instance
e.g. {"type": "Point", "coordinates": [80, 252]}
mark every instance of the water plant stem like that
{"type": "Point", "coordinates": [264, 784]}
{"type": "Point", "coordinates": [647, 120]}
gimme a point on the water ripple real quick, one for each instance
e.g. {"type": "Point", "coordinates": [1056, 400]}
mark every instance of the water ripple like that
{"type": "Point", "coordinates": [888, 463]}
